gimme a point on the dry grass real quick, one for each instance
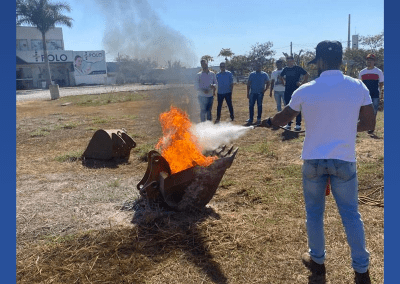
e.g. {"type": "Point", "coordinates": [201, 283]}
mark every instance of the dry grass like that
{"type": "Point", "coordinates": [71, 229]}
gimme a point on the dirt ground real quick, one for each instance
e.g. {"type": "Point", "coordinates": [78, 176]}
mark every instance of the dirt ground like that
{"type": "Point", "coordinates": [252, 231]}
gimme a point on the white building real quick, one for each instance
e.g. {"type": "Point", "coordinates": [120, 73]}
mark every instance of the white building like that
{"type": "Point", "coordinates": [30, 61]}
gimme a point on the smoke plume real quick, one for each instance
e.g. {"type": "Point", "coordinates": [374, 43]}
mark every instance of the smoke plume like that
{"type": "Point", "coordinates": [133, 28]}
{"type": "Point", "coordinates": [211, 136]}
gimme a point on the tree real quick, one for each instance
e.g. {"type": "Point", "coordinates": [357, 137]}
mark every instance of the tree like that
{"type": "Point", "coordinates": [226, 52]}
{"type": "Point", "coordinates": [296, 56]}
{"type": "Point", "coordinates": [208, 58]}
{"type": "Point", "coordinates": [175, 64]}
{"type": "Point", "coordinates": [306, 57]}
{"type": "Point", "coordinates": [43, 15]}
{"type": "Point", "coordinates": [130, 68]}
{"type": "Point", "coordinates": [239, 65]}
{"type": "Point", "coordinates": [373, 42]}
{"type": "Point", "coordinates": [262, 53]}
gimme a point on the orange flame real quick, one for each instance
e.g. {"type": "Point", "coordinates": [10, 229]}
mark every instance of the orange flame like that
{"type": "Point", "coordinates": [179, 146]}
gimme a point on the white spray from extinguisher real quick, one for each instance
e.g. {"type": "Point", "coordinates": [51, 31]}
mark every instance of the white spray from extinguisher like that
{"type": "Point", "coordinates": [210, 136]}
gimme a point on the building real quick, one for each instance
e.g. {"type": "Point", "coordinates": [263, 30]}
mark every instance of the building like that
{"type": "Point", "coordinates": [68, 68]}
{"type": "Point", "coordinates": [30, 59]}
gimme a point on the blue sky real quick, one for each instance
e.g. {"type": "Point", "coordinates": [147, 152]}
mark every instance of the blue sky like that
{"type": "Point", "coordinates": [208, 26]}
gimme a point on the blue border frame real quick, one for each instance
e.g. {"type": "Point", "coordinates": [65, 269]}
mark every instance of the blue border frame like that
{"type": "Point", "coordinates": [8, 164]}
{"type": "Point", "coordinates": [391, 135]}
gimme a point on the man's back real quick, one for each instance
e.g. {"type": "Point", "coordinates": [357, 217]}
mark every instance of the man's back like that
{"type": "Point", "coordinates": [330, 106]}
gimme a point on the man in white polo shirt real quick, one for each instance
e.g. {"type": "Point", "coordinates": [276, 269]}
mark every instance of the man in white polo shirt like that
{"type": "Point", "coordinates": [335, 107]}
{"type": "Point", "coordinates": [205, 84]}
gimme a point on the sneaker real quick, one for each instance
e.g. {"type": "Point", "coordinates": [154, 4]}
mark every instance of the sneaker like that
{"type": "Point", "coordinates": [258, 122]}
{"type": "Point", "coordinates": [315, 268]}
{"type": "Point", "coordinates": [287, 127]}
{"type": "Point", "coordinates": [248, 122]}
{"type": "Point", "coordinates": [216, 121]}
{"type": "Point", "coordinates": [362, 278]}
{"type": "Point", "coordinates": [297, 128]}
{"type": "Point", "coordinates": [370, 131]}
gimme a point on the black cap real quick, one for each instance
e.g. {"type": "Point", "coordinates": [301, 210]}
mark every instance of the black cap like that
{"type": "Point", "coordinates": [328, 50]}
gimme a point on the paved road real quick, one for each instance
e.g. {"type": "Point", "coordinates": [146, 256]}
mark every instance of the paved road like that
{"type": "Point", "coordinates": [39, 94]}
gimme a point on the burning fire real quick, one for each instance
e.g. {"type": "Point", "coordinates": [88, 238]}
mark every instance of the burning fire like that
{"type": "Point", "coordinates": [179, 146]}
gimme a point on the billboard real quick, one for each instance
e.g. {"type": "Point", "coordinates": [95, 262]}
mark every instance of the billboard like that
{"type": "Point", "coordinates": [90, 67]}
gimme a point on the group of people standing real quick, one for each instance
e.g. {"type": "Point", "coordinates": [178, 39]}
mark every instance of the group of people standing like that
{"type": "Point", "coordinates": [207, 83]}
{"type": "Point", "coordinates": [335, 107]}
{"type": "Point", "coordinates": [284, 80]}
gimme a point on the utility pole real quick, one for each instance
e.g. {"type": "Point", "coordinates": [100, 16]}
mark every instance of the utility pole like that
{"type": "Point", "coordinates": [348, 38]}
{"type": "Point", "coordinates": [291, 49]}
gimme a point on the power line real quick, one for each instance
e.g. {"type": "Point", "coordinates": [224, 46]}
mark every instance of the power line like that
{"type": "Point", "coordinates": [287, 46]}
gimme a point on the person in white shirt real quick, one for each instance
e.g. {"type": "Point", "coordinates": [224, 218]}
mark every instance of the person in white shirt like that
{"type": "Point", "coordinates": [335, 107]}
{"type": "Point", "coordinates": [372, 77]}
{"type": "Point", "coordinates": [205, 84]}
{"type": "Point", "coordinates": [277, 86]}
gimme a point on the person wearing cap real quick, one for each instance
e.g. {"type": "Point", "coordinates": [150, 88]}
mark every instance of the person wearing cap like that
{"type": "Point", "coordinates": [225, 87]}
{"type": "Point", "coordinates": [205, 84]}
{"type": "Point", "coordinates": [372, 77]}
{"type": "Point", "coordinates": [290, 78]}
{"type": "Point", "coordinates": [257, 84]}
{"type": "Point", "coordinates": [335, 107]}
{"type": "Point", "coordinates": [277, 86]}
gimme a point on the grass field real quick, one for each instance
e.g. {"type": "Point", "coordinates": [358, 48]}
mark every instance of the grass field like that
{"type": "Point", "coordinates": [74, 224]}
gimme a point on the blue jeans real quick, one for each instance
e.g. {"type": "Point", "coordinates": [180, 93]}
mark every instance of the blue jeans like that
{"type": "Point", "coordinates": [375, 103]}
{"type": "Point", "coordinates": [288, 97]}
{"type": "Point", "coordinates": [205, 107]}
{"type": "Point", "coordinates": [279, 99]}
{"type": "Point", "coordinates": [344, 188]}
{"type": "Point", "coordinates": [228, 98]}
{"type": "Point", "coordinates": [253, 98]}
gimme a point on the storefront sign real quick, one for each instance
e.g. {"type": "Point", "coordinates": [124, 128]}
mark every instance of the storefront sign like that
{"type": "Point", "coordinates": [54, 56]}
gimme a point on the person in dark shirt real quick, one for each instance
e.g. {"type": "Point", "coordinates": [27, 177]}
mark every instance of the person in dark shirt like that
{"type": "Point", "coordinates": [290, 77]}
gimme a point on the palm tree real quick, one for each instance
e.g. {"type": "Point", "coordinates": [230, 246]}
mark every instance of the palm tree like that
{"type": "Point", "coordinates": [44, 16]}
{"type": "Point", "coordinates": [226, 52]}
